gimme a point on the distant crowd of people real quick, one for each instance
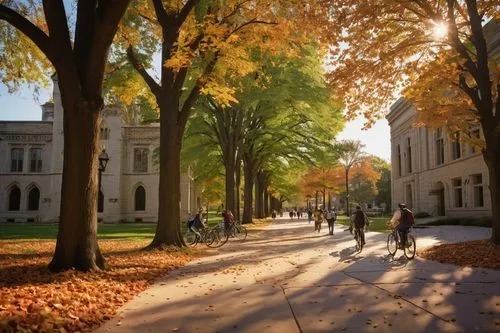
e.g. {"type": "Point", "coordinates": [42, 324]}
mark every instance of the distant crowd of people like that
{"type": "Point", "coordinates": [402, 220]}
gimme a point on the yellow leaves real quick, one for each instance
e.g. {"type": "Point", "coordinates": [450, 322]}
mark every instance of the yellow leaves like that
{"type": "Point", "coordinates": [223, 95]}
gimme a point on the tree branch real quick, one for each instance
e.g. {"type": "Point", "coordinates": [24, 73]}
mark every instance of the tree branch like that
{"type": "Point", "coordinates": [35, 34]}
{"type": "Point", "coordinates": [155, 87]}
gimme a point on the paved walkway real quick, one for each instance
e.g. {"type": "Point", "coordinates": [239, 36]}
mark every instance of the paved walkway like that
{"type": "Point", "coordinates": [287, 278]}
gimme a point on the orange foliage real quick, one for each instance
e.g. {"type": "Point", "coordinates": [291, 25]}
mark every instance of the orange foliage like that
{"type": "Point", "coordinates": [33, 299]}
{"type": "Point", "coordinates": [481, 253]}
{"type": "Point", "coordinates": [319, 179]}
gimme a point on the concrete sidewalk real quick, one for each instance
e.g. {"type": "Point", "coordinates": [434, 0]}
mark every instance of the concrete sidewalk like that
{"type": "Point", "coordinates": [288, 278]}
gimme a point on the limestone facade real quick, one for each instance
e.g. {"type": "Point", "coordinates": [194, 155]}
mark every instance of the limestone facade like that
{"type": "Point", "coordinates": [432, 171]}
{"type": "Point", "coordinates": [31, 159]}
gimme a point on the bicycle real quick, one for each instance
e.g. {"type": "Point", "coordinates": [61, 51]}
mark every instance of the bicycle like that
{"type": "Point", "coordinates": [317, 225]}
{"type": "Point", "coordinates": [238, 231]}
{"type": "Point", "coordinates": [394, 243]}
{"type": "Point", "coordinates": [211, 237]}
{"type": "Point", "coordinates": [357, 238]}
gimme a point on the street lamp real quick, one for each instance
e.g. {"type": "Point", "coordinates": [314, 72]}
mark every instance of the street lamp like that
{"type": "Point", "coordinates": [103, 162]}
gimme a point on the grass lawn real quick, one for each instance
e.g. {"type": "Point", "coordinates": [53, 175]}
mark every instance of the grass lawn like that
{"type": "Point", "coordinates": [376, 223]}
{"type": "Point", "coordinates": [105, 231]}
{"type": "Point", "coordinates": [142, 231]}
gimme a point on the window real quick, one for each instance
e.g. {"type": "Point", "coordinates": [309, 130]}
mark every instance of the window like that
{"type": "Point", "coordinates": [100, 202]}
{"type": "Point", "coordinates": [408, 156]}
{"type": "Point", "coordinates": [457, 192]}
{"type": "Point", "coordinates": [399, 160]}
{"type": "Point", "coordinates": [16, 158]}
{"type": "Point", "coordinates": [140, 199]}
{"type": "Point", "coordinates": [439, 147]}
{"type": "Point", "coordinates": [15, 199]}
{"type": "Point", "coordinates": [141, 159]}
{"type": "Point", "coordinates": [477, 184]}
{"type": "Point", "coordinates": [456, 149]}
{"type": "Point", "coordinates": [34, 199]}
{"type": "Point", "coordinates": [104, 133]}
{"type": "Point", "coordinates": [36, 160]}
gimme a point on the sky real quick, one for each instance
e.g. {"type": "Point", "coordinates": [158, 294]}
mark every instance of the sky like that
{"type": "Point", "coordinates": [23, 106]}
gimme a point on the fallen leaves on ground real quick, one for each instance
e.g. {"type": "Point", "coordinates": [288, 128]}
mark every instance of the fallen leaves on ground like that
{"type": "Point", "coordinates": [34, 300]}
{"type": "Point", "coordinates": [481, 253]}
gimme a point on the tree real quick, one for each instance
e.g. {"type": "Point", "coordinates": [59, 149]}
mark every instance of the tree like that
{"type": "Point", "coordinates": [78, 52]}
{"type": "Point", "coordinates": [350, 153]}
{"type": "Point", "coordinates": [437, 52]}
{"type": "Point", "coordinates": [202, 41]}
{"type": "Point", "coordinates": [364, 180]}
{"type": "Point", "coordinates": [383, 184]}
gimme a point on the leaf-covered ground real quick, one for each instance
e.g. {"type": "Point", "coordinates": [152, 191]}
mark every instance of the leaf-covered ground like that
{"type": "Point", "coordinates": [481, 253]}
{"type": "Point", "coordinates": [33, 299]}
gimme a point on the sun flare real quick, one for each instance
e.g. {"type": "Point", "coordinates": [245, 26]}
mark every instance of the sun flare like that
{"type": "Point", "coordinates": [440, 30]}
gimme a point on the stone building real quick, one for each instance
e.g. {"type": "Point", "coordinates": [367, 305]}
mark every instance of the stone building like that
{"type": "Point", "coordinates": [432, 171]}
{"type": "Point", "coordinates": [31, 159]}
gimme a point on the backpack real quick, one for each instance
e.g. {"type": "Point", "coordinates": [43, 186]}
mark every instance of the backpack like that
{"type": "Point", "coordinates": [407, 217]}
{"type": "Point", "coordinates": [190, 222]}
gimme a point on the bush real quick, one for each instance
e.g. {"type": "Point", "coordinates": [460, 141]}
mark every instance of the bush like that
{"type": "Point", "coordinates": [421, 215]}
{"type": "Point", "coordinates": [466, 221]}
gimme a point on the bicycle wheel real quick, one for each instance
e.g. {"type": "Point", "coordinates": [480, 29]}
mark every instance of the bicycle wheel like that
{"type": "Point", "coordinates": [392, 244]}
{"type": "Point", "coordinates": [240, 232]}
{"type": "Point", "coordinates": [411, 247]}
{"type": "Point", "coordinates": [190, 238]}
{"type": "Point", "coordinates": [357, 238]}
{"type": "Point", "coordinates": [220, 237]}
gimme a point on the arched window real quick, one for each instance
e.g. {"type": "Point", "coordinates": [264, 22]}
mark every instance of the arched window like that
{"type": "Point", "coordinates": [100, 202]}
{"type": "Point", "coordinates": [15, 199]}
{"type": "Point", "coordinates": [34, 199]}
{"type": "Point", "coordinates": [140, 199]}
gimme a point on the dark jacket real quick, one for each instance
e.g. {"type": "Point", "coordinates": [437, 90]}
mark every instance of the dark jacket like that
{"type": "Point", "coordinates": [359, 219]}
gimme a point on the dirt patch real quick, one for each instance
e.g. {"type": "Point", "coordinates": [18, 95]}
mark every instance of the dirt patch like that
{"type": "Point", "coordinates": [481, 253]}
{"type": "Point", "coordinates": [34, 300]}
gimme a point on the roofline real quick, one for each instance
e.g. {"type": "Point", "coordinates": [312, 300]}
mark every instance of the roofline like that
{"type": "Point", "coordinates": [398, 107]}
{"type": "Point", "coordinates": [26, 121]}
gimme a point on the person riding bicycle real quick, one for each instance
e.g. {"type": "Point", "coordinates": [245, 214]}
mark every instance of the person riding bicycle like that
{"type": "Point", "coordinates": [318, 219]}
{"type": "Point", "coordinates": [228, 219]}
{"type": "Point", "coordinates": [404, 219]}
{"type": "Point", "coordinates": [360, 220]}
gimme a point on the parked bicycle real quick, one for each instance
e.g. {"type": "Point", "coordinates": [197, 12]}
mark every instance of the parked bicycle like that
{"type": "Point", "coordinates": [211, 237]}
{"type": "Point", "coordinates": [236, 230]}
{"type": "Point", "coordinates": [394, 243]}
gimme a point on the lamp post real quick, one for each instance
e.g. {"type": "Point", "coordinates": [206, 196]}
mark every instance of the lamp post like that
{"type": "Point", "coordinates": [103, 162]}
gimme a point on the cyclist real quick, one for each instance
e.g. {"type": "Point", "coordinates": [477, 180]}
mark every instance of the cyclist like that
{"type": "Point", "coordinates": [228, 219]}
{"type": "Point", "coordinates": [404, 219]}
{"type": "Point", "coordinates": [198, 220]}
{"type": "Point", "coordinates": [360, 220]}
{"type": "Point", "coordinates": [318, 219]}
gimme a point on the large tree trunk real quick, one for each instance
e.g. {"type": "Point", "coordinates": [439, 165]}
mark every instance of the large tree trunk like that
{"type": "Point", "coordinates": [230, 183]}
{"type": "Point", "coordinates": [237, 176]}
{"type": "Point", "coordinates": [259, 196]}
{"type": "Point", "coordinates": [492, 158]}
{"type": "Point", "coordinates": [168, 231]}
{"type": "Point", "coordinates": [266, 204]}
{"type": "Point", "coordinates": [77, 245]}
{"type": "Point", "coordinates": [248, 194]}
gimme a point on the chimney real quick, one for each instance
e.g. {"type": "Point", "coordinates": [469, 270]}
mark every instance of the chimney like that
{"type": "Point", "coordinates": [48, 111]}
